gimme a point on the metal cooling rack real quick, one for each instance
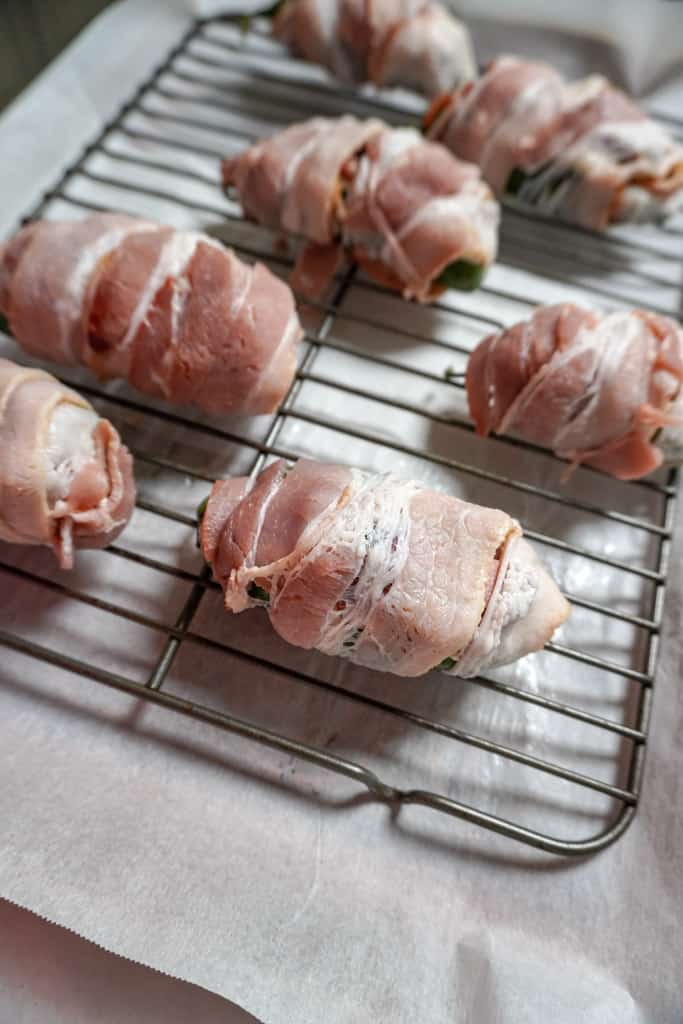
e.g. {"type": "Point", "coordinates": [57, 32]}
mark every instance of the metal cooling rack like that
{"type": "Point", "coordinates": [199, 93]}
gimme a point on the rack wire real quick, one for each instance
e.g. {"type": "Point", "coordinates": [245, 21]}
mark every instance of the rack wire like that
{"type": "Point", "coordinates": [218, 89]}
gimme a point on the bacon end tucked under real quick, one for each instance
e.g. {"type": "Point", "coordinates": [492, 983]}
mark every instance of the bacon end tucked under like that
{"type": "Point", "coordinates": [583, 151]}
{"type": "Point", "coordinates": [405, 209]}
{"type": "Point", "coordinates": [596, 388]}
{"type": "Point", "coordinates": [416, 44]}
{"type": "Point", "coordinates": [173, 312]}
{"type": "Point", "coordinates": [379, 570]}
{"type": "Point", "coordinates": [66, 481]}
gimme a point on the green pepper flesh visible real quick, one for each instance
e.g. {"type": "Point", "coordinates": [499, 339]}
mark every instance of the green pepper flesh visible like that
{"type": "Point", "coordinates": [462, 275]}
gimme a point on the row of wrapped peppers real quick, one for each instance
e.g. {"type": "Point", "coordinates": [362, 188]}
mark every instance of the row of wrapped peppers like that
{"type": "Point", "coordinates": [364, 566]}
{"type": "Point", "coordinates": [183, 318]}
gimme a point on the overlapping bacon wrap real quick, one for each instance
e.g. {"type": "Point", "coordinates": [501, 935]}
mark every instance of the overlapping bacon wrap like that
{"type": "Point", "coordinates": [66, 481]}
{"type": "Point", "coordinates": [583, 151]}
{"type": "Point", "coordinates": [173, 312]}
{"type": "Point", "coordinates": [379, 570]}
{"type": "Point", "coordinates": [417, 44]}
{"type": "Point", "coordinates": [601, 389]}
{"type": "Point", "coordinates": [413, 216]}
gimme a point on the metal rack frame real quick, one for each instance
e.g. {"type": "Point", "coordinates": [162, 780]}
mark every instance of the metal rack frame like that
{"type": "Point", "coordinates": [181, 631]}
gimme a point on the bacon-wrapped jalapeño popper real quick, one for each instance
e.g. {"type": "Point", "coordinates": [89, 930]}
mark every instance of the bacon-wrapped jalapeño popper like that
{"type": "Point", "coordinates": [173, 312]}
{"type": "Point", "coordinates": [412, 216]}
{"type": "Point", "coordinates": [582, 151]}
{"type": "Point", "coordinates": [417, 44]}
{"type": "Point", "coordinates": [602, 389]}
{"type": "Point", "coordinates": [66, 481]}
{"type": "Point", "coordinates": [379, 570]}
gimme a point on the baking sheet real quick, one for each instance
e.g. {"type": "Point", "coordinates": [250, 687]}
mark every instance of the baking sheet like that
{"type": "Point", "coordinates": [272, 883]}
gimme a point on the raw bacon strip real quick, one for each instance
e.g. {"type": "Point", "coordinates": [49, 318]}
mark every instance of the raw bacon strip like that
{"type": "Point", "coordinates": [596, 388]}
{"type": "Point", "coordinates": [408, 212]}
{"type": "Point", "coordinates": [293, 181]}
{"type": "Point", "coordinates": [173, 312]}
{"type": "Point", "coordinates": [413, 43]}
{"type": "Point", "coordinates": [379, 570]}
{"type": "Point", "coordinates": [412, 211]}
{"type": "Point", "coordinates": [66, 481]}
{"type": "Point", "coordinates": [583, 151]}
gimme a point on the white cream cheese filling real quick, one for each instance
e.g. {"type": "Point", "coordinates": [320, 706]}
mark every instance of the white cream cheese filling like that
{"type": "Point", "coordinates": [70, 444]}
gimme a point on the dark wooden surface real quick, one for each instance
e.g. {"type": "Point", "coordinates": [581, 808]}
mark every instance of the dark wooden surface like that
{"type": "Point", "coordinates": [32, 32]}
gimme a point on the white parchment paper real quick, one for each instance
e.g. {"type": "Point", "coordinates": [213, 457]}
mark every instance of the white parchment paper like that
{"type": "Point", "coordinates": [49, 975]}
{"type": "Point", "coordinates": [276, 885]}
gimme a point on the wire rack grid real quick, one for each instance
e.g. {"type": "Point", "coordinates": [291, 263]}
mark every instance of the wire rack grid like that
{"type": "Point", "coordinates": [385, 379]}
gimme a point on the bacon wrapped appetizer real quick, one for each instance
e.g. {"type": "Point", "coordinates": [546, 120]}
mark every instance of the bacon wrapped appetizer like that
{"type": "Point", "coordinates": [378, 570]}
{"type": "Point", "coordinates": [582, 151]}
{"type": "Point", "coordinates": [600, 389]}
{"type": "Point", "coordinates": [413, 217]}
{"type": "Point", "coordinates": [173, 312]}
{"type": "Point", "coordinates": [413, 43]}
{"type": "Point", "coordinates": [66, 481]}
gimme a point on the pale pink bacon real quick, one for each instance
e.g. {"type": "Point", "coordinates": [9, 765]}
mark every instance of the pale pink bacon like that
{"type": "Point", "coordinates": [411, 210]}
{"type": "Point", "coordinates": [292, 181]}
{"type": "Point", "coordinates": [417, 44]}
{"type": "Point", "coordinates": [379, 570]}
{"type": "Point", "coordinates": [596, 388]}
{"type": "Point", "coordinates": [581, 150]}
{"type": "Point", "coordinates": [173, 312]}
{"type": "Point", "coordinates": [403, 208]}
{"type": "Point", "coordinates": [66, 481]}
